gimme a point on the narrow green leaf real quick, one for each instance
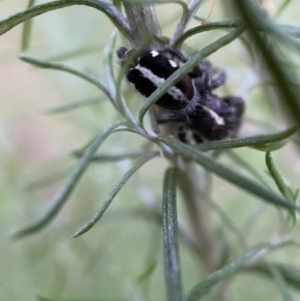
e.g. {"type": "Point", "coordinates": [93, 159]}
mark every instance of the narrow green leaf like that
{"type": "Point", "coordinates": [92, 79]}
{"type": "Point", "coordinates": [281, 284]}
{"type": "Point", "coordinates": [26, 33]}
{"type": "Point", "coordinates": [61, 67]}
{"type": "Point", "coordinates": [278, 179]}
{"type": "Point", "coordinates": [74, 53]}
{"type": "Point", "coordinates": [291, 31]}
{"type": "Point", "coordinates": [114, 158]}
{"type": "Point", "coordinates": [247, 166]}
{"type": "Point", "coordinates": [186, 18]}
{"type": "Point", "coordinates": [118, 100]}
{"type": "Point", "coordinates": [104, 298]}
{"type": "Point", "coordinates": [207, 27]}
{"type": "Point", "coordinates": [104, 6]}
{"type": "Point", "coordinates": [229, 223]}
{"type": "Point", "coordinates": [270, 147]}
{"type": "Point", "coordinates": [187, 67]}
{"type": "Point", "coordinates": [71, 106]}
{"type": "Point", "coordinates": [170, 230]}
{"type": "Point", "coordinates": [254, 141]}
{"type": "Point", "coordinates": [86, 227]}
{"type": "Point", "coordinates": [151, 256]}
{"type": "Point", "coordinates": [48, 179]}
{"type": "Point", "coordinates": [280, 183]}
{"type": "Point", "coordinates": [63, 195]}
{"type": "Point", "coordinates": [150, 268]}
{"type": "Point", "coordinates": [200, 289]}
{"type": "Point", "coordinates": [254, 18]}
{"type": "Point", "coordinates": [227, 173]}
{"type": "Point", "coordinates": [108, 63]}
{"type": "Point", "coordinates": [296, 194]}
{"type": "Point", "coordinates": [290, 273]}
{"type": "Point", "coordinates": [282, 7]}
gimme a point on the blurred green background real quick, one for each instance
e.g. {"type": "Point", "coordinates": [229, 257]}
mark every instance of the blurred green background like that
{"type": "Point", "coordinates": [35, 158]}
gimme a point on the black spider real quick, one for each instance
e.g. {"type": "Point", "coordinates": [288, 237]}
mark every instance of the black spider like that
{"type": "Point", "coordinates": [190, 102]}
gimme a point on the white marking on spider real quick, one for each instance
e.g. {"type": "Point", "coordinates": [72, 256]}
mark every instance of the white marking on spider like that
{"type": "Point", "coordinates": [173, 64]}
{"type": "Point", "coordinates": [154, 53]}
{"type": "Point", "coordinates": [219, 120]}
{"type": "Point", "coordinates": [158, 81]}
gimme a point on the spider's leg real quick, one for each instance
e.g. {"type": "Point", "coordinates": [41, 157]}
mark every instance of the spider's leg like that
{"type": "Point", "coordinates": [182, 133]}
{"type": "Point", "coordinates": [197, 137]}
{"type": "Point", "coordinates": [234, 114]}
{"type": "Point", "coordinates": [206, 66]}
{"type": "Point", "coordinates": [218, 79]}
{"type": "Point", "coordinates": [171, 117]}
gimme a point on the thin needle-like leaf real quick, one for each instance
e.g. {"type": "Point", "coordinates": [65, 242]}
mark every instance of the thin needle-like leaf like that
{"type": "Point", "coordinates": [62, 67]}
{"type": "Point", "coordinates": [108, 63]}
{"type": "Point", "coordinates": [281, 284]}
{"type": "Point", "coordinates": [253, 141]}
{"type": "Point", "coordinates": [63, 195]}
{"type": "Point", "coordinates": [48, 179]}
{"type": "Point", "coordinates": [207, 27]}
{"type": "Point", "coordinates": [187, 67]}
{"type": "Point", "coordinates": [280, 183]}
{"type": "Point", "coordinates": [278, 179]}
{"type": "Point", "coordinates": [71, 106]}
{"type": "Point", "coordinates": [253, 17]}
{"type": "Point", "coordinates": [290, 31]}
{"type": "Point", "coordinates": [290, 273]}
{"type": "Point", "coordinates": [246, 165]}
{"type": "Point", "coordinates": [101, 298]}
{"type": "Point", "coordinates": [57, 66]}
{"type": "Point", "coordinates": [282, 7]}
{"type": "Point", "coordinates": [120, 101]}
{"type": "Point", "coordinates": [27, 30]}
{"type": "Point", "coordinates": [74, 53]}
{"type": "Point", "coordinates": [185, 20]}
{"type": "Point", "coordinates": [144, 159]}
{"type": "Point", "coordinates": [170, 229]}
{"type": "Point", "coordinates": [110, 79]}
{"type": "Point", "coordinates": [227, 173]}
{"type": "Point", "coordinates": [229, 223]}
{"type": "Point", "coordinates": [104, 6]}
{"type": "Point", "coordinates": [151, 256]}
{"type": "Point", "coordinates": [114, 158]}
{"type": "Point", "coordinates": [200, 289]}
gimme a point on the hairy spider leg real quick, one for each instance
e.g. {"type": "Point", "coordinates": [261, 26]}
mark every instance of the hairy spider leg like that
{"type": "Point", "coordinates": [218, 79]}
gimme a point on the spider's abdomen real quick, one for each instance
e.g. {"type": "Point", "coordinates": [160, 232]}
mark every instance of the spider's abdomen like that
{"type": "Point", "coordinates": [151, 70]}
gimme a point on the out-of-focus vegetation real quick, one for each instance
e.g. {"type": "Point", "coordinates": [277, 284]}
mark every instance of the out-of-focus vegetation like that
{"type": "Point", "coordinates": [46, 115]}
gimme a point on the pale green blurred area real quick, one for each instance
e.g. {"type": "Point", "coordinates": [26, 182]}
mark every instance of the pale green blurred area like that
{"type": "Point", "coordinates": [105, 263]}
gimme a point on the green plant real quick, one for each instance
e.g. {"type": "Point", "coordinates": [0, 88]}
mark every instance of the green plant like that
{"type": "Point", "coordinates": [218, 258]}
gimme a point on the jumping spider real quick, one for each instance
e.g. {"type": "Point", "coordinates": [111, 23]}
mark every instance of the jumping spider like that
{"type": "Point", "coordinates": [191, 102]}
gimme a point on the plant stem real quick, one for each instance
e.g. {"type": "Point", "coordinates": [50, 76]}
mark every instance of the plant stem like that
{"type": "Point", "coordinates": [143, 22]}
{"type": "Point", "coordinates": [193, 186]}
